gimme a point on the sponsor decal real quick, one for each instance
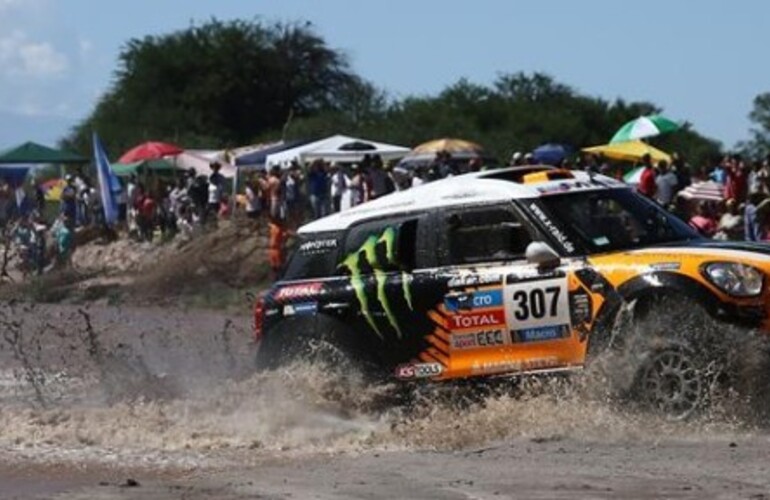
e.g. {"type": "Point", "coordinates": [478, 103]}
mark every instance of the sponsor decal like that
{"type": "Point", "coordinates": [580, 307]}
{"type": "Point", "coordinates": [477, 320]}
{"type": "Point", "coordinates": [418, 370]}
{"type": "Point", "coordinates": [666, 266]}
{"type": "Point", "coordinates": [300, 309]}
{"type": "Point", "coordinates": [272, 311]}
{"type": "Point", "coordinates": [291, 292]}
{"type": "Point", "coordinates": [540, 333]}
{"type": "Point", "coordinates": [486, 338]}
{"type": "Point", "coordinates": [318, 246]}
{"type": "Point", "coordinates": [501, 366]}
{"type": "Point", "coordinates": [474, 300]}
{"type": "Point", "coordinates": [551, 227]}
{"type": "Point", "coordinates": [464, 280]}
{"type": "Point", "coordinates": [367, 255]}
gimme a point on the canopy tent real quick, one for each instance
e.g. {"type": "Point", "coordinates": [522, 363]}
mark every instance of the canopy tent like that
{"type": "Point", "coordinates": [258, 157]}
{"type": "Point", "coordinates": [14, 175]}
{"type": "Point", "coordinates": [629, 151]}
{"type": "Point", "coordinates": [341, 148]}
{"type": "Point", "coordinates": [344, 148]}
{"type": "Point", "coordinates": [31, 153]}
{"type": "Point", "coordinates": [140, 167]}
{"type": "Point", "coordinates": [198, 161]}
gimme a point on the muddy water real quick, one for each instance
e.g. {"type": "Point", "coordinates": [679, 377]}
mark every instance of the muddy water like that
{"type": "Point", "coordinates": [175, 391]}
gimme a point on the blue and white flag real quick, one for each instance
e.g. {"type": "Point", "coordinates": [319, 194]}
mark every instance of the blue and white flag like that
{"type": "Point", "coordinates": [109, 185]}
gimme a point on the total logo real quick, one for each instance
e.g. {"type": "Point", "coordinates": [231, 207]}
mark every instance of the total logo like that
{"type": "Point", "coordinates": [298, 291]}
{"type": "Point", "coordinates": [477, 320]}
{"type": "Point", "coordinates": [418, 370]}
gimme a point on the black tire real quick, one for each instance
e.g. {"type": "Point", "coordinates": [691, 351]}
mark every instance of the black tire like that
{"type": "Point", "coordinates": [666, 356]}
{"type": "Point", "coordinates": [318, 340]}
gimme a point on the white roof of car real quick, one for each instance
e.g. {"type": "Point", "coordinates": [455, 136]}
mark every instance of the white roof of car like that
{"type": "Point", "coordinates": [467, 189]}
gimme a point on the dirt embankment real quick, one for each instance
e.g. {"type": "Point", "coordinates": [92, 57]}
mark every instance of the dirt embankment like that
{"type": "Point", "coordinates": [211, 269]}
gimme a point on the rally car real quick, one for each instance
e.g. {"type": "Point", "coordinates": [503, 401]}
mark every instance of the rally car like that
{"type": "Point", "coordinates": [514, 271]}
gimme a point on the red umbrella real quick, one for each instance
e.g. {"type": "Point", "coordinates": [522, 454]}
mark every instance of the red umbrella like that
{"type": "Point", "coordinates": [150, 151]}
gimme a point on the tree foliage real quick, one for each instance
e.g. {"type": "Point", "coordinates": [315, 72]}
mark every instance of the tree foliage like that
{"type": "Point", "coordinates": [219, 84]}
{"type": "Point", "coordinates": [230, 83]}
{"type": "Point", "coordinates": [517, 112]}
{"type": "Point", "coordinates": [759, 144]}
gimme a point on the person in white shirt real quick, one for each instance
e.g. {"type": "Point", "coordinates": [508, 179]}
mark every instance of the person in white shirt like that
{"type": "Point", "coordinates": [666, 183]}
{"type": "Point", "coordinates": [339, 185]}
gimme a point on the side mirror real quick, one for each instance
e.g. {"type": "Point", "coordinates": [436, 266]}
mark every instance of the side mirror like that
{"type": "Point", "coordinates": [541, 253]}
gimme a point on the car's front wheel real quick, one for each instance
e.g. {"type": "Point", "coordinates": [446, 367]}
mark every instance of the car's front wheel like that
{"type": "Point", "coordinates": [672, 380]}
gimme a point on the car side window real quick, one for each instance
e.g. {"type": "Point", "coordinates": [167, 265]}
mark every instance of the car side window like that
{"type": "Point", "coordinates": [385, 245]}
{"type": "Point", "coordinates": [486, 234]}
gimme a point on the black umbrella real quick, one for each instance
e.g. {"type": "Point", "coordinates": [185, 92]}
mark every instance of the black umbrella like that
{"type": "Point", "coordinates": [357, 146]}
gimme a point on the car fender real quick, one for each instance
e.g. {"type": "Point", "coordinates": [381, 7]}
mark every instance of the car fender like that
{"type": "Point", "coordinates": [659, 283]}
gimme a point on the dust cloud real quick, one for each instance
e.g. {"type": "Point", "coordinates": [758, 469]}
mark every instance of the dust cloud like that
{"type": "Point", "coordinates": [145, 386]}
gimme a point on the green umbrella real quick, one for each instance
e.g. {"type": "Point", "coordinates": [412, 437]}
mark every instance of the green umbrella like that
{"type": "Point", "coordinates": [644, 126]}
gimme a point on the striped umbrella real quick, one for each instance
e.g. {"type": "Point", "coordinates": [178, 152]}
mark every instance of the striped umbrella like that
{"type": "Point", "coordinates": [708, 190]}
{"type": "Point", "coordinates": [644, 126]}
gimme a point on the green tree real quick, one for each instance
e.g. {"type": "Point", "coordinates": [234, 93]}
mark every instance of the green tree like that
{"type": "Point", "coordinates": [219, 84]}
{"type": "Point", "coordinates": [759, 144]}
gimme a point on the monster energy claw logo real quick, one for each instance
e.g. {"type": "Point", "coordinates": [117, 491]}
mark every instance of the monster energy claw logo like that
{"type": "Point", "coordinates": [367, 255]}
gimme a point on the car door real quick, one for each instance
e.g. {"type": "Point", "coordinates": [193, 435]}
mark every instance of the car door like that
{"type": "Point", "coordinates": [388, 298]}
{"type": "Point", "coordinates": [500, 313]}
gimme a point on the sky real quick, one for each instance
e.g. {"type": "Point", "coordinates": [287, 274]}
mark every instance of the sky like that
{"type": "Point", "coordinates": [702, 62]}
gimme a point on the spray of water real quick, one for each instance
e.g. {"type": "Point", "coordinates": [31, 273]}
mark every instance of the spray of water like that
{"type": "Point", "coordinates": [182, 391]}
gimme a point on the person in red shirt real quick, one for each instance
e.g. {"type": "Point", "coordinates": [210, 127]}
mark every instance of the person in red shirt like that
{"type": "Point", "coordinates": [647, 184]}
{"type": "Point", "coordinates": [737, 183]}
{"type": "Point", "coordinates": [704, 221]}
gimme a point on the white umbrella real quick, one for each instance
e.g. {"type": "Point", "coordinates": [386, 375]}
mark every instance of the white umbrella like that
{"type": "Point", "coordinates": [707, 190]}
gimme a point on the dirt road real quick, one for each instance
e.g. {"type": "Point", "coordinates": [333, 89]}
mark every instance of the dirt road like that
{"type": "Point", "coordinates": [150, 403]}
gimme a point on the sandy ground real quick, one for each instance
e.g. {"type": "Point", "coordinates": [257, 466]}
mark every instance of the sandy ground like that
{"type": "Point", "coordinates": [152, 403]}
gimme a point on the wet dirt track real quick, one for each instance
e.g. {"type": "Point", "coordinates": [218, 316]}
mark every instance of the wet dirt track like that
{"type": "Point", "coordinates": [167, 399]}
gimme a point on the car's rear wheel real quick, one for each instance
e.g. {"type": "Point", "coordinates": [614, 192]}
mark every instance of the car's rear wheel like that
{"type": "Point", "coordinates": [315, 340]}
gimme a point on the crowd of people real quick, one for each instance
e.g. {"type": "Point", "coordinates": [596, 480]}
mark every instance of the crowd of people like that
{"type": "Point", "coordinates": [158, 209]}
{"type": "Point", "coordinates": [741, 214]}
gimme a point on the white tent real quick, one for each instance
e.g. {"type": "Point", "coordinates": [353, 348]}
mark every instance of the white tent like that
{"type": "Point", "coordinates": [200, 161]}
{"type": "Point", "coordinates": [341, 148]}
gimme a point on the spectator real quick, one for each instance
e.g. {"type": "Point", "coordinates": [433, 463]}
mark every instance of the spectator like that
{"type": "Point", "coordinates": [68, 201]}
{"type": "Point", "coordinates": [357, 186]}
{"type": "Point", "coordinates": [751, 224]}
{"type": "Point", "coordinates": [215, 189]}
{"type": "Point", "coordinates": [293, 196]}
{"type": "Point", "coordinates": [62, 231]}
{"type": "Point", "coordinates": [719, 173]}
{"type": "Point", "coordinates": [647, 185]}
{"type": "Point", "coordinates": [253, 202]}
{"type": "Point", "coordinates": [682, 172]}
{"type": "Point", "coordinates": [703, 221]}
{"type": "Point", "coordinates": [665, 184]}
{"type": "Point", "coordinates": [381, 183]}
{"type": "Point", "coordinates": [339, 186]}
{"type": "Point", "coordinates": [736, 183]}
{"type": "Point", "coordinates": [730, 225]}
{"type": "Point", "coordinates": [318, 188]}
{"type": "Point", "coordinates": [273, 190]}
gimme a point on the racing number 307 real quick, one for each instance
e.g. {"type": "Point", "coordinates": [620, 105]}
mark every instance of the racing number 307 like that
{"type": "Point", "coordinates": [532, 303]}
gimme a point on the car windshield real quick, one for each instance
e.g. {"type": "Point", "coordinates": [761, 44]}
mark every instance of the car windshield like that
{"type": "Point", "coordinates": [608, 220]}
